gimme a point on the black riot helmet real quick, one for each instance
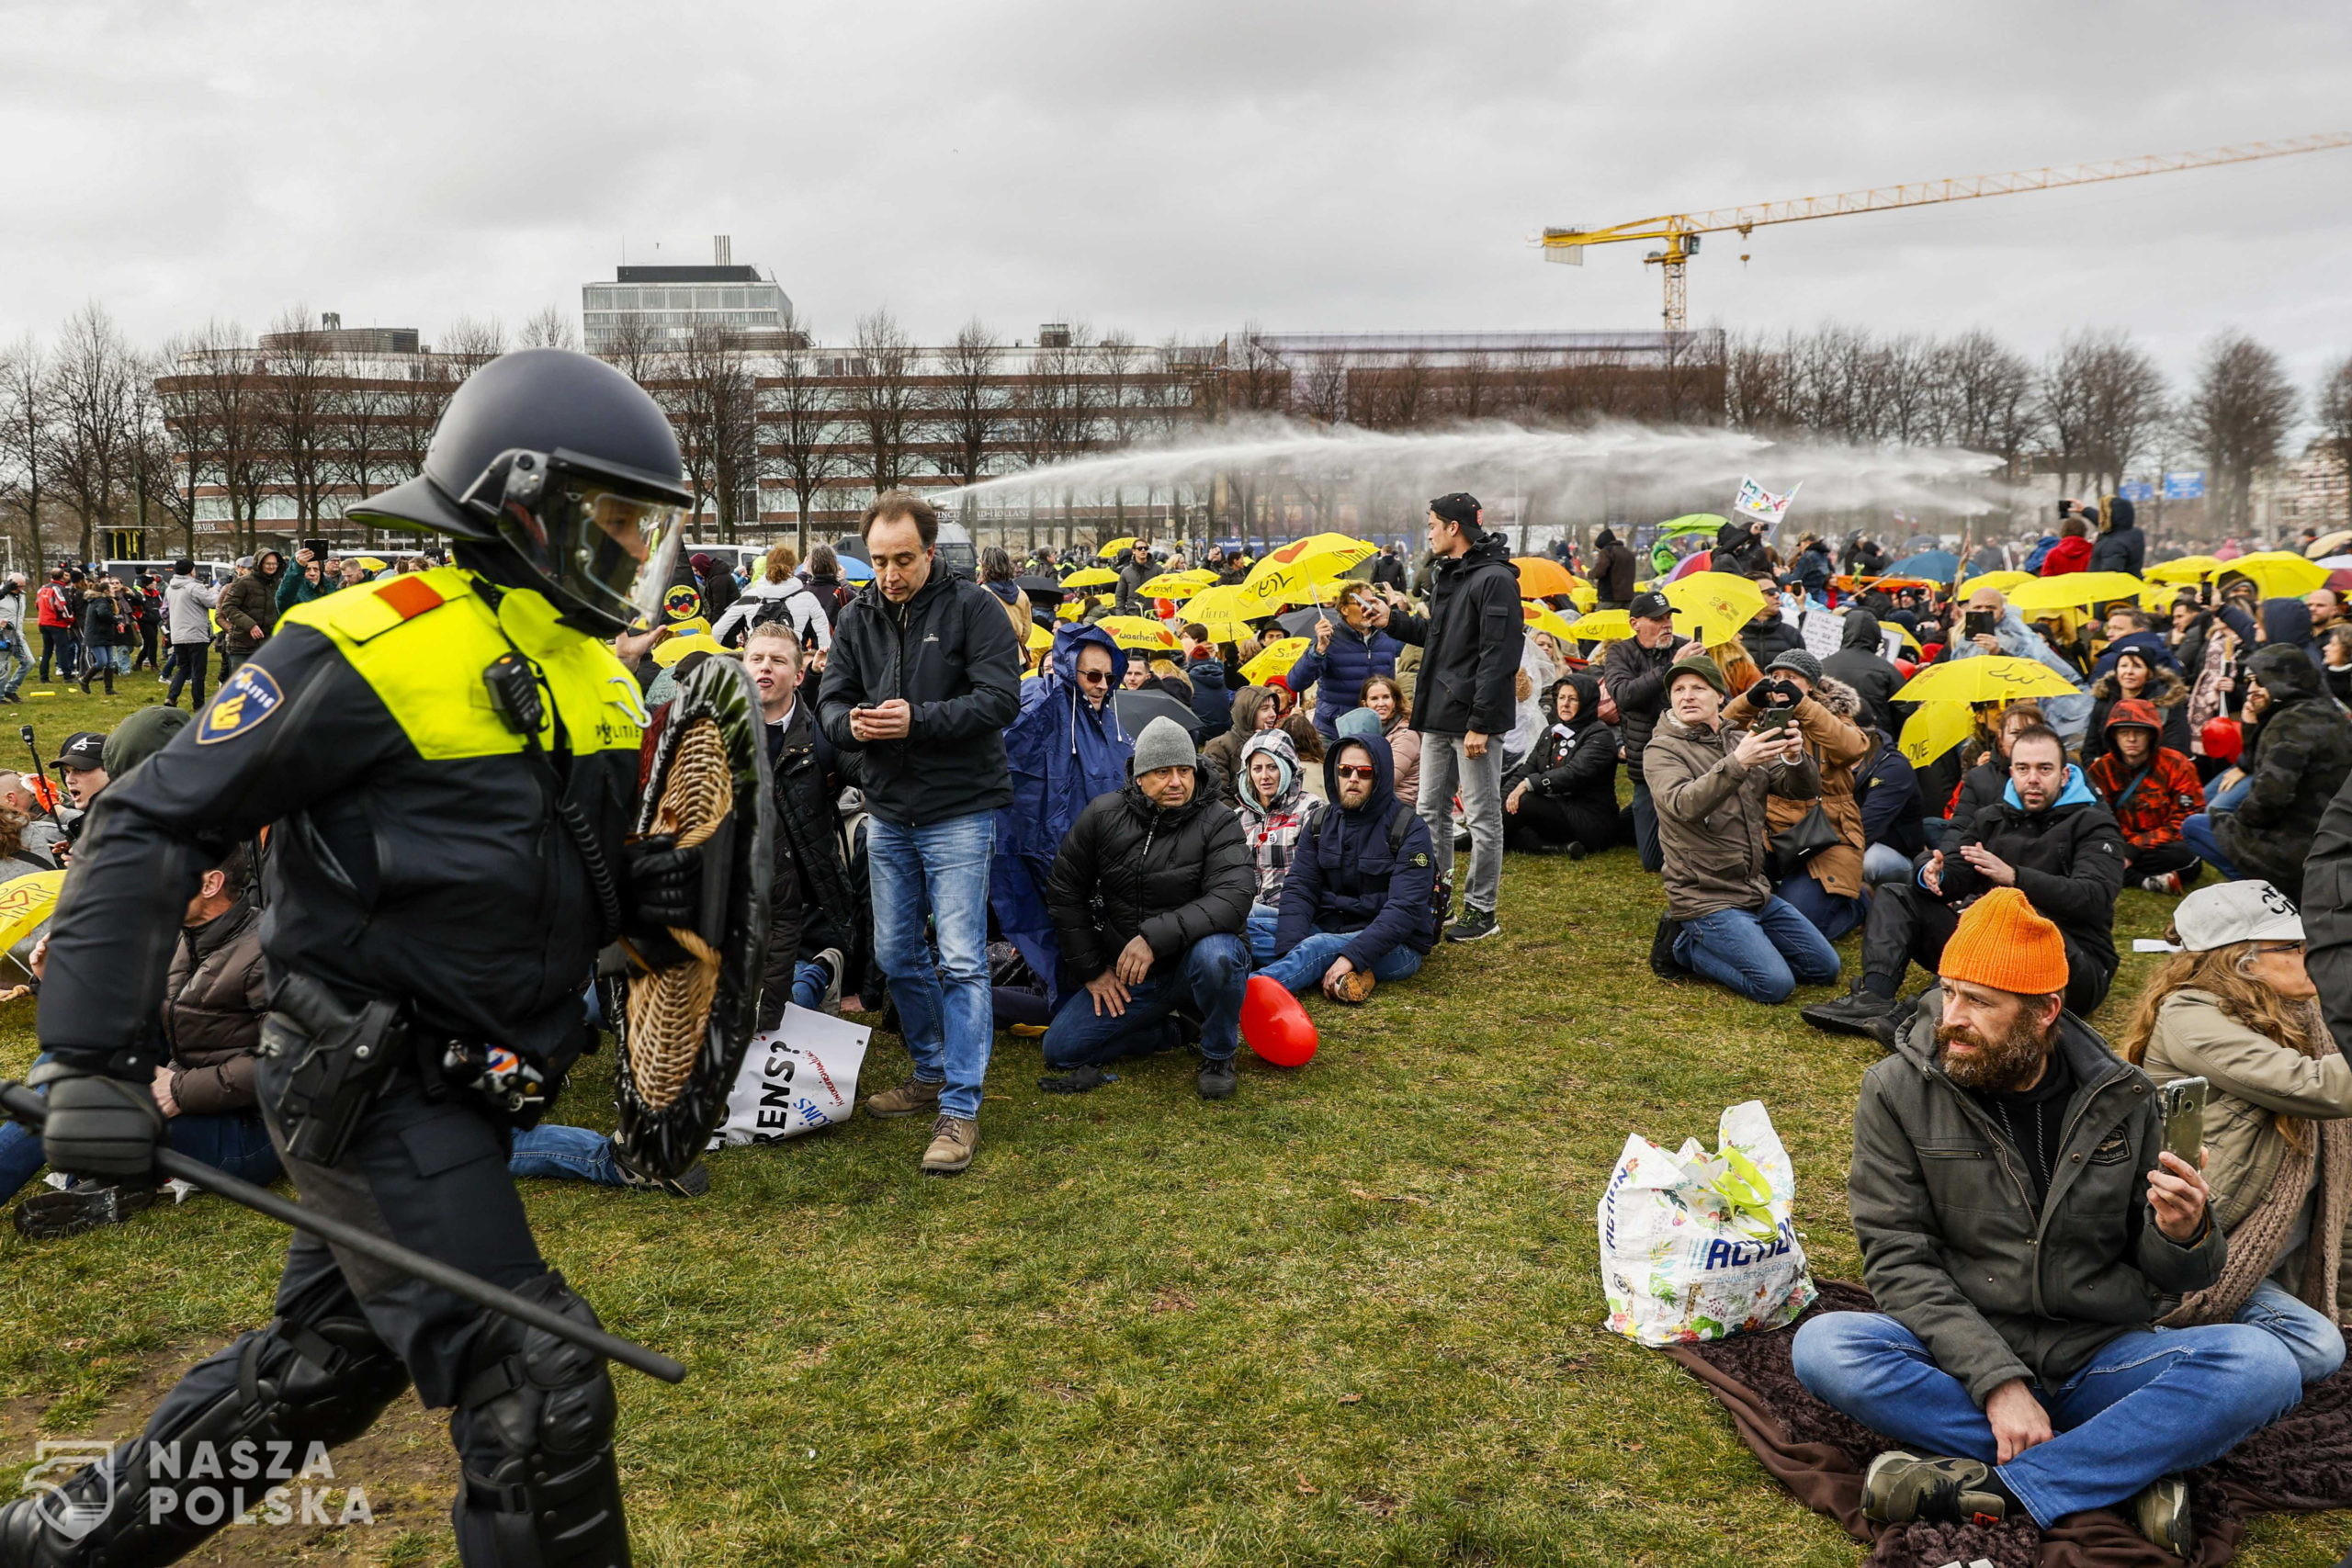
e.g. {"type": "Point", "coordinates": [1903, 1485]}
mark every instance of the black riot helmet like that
{"type": "Point", "coordinates": [562, 466]}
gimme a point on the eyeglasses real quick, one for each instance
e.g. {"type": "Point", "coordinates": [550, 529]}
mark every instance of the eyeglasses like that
{"type": "Point", "coordinates": [1350, 771]}
{"type": "Point", "coordinates": [1094, 677]}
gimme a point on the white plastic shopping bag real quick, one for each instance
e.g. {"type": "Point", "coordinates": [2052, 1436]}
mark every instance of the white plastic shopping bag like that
{"type": "Point", "coordinates": [800, 1075]}
{"type": "Point", "coordinates": [1698, 1246]}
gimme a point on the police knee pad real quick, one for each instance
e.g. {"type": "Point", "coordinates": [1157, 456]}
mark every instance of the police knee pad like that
{"type": "Point", "coordinates": [535, 1427]}
{"type": "Point", "coordinates": [258, 1407]}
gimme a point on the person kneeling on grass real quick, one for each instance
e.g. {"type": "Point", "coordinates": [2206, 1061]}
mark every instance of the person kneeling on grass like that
{"type": "Point", "coordinates": [1708, 780]}
{"type": "Point", "coordinates": [1359, 904]}
{"type": "Point", "coordinates": [2020, 1217]}
{"type": "Point", "coordinates": [1147, 895]}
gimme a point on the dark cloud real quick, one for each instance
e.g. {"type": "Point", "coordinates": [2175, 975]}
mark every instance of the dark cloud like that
{"type": "Point", "coordinates": [1170, 169]}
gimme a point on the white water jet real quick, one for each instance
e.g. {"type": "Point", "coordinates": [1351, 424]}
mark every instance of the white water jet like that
{"type": "Point", "coordinates": [1617, 466]}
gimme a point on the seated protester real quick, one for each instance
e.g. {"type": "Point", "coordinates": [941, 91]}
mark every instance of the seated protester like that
{"type": "Point", "coordinates": [1303, 736]}
{"type": "Point", "coordinates": [215, 994]}
{"type": "Point", "coordinates": [2050, 838]}
{"type": "Point", "coordinates": [817, 941]}
{"type": "Point", "coordinates": [1384, 698]}
{"type": "Point", "coordinates": [2152, 789]}
{"type": "Point", "coordinates": [2336, 662]}
{"type": "Point", "coordinates": [1986, 777]}
{"type": "Point", "coordinates": [1991, 626]}
{"type": "Point", "coordinates": [1828, 890]}
{"type": "Point", "coordinates": [1887, 788]}
{"type": "Point", "coordinates": [1858, 663]}
{"type": "Point", "coordinates": [1563, 797]}
{"type": "Point", "coordinates": [2295, 758]}
{"type": "Point", "coordinates": [1358, 905]}
{"type": "Point", "coordinates": [2020, 1220]}
{"type": "Point", "coordinates": [18, 857]}
{"type": "Point", "coordinates": [43, 831]}
{"type": "Point", "coordinates": [1149, 895]}
{"type": "Point", "coordinates": [2238, 1009]}
{"type": "Point", "coordinates": [1768, 635]}
{"type": "Point", "coordinates": [1211, 698]}
{"type": "Point", "coordinates": [1709, 780]}
{"type": "Point", "coordinates": [1252, 708]}
{"type": "Point", "coordinates": [2136, 676]}
{"type": "Point", "coordinates": [1344, 652]}
{"type": "Point", "coordinates": [2130, 629]}
{"type": "Point", "coordinates": [1275, 808]}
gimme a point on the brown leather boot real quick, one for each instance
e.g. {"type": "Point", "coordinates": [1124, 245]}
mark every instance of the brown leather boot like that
{"type": "Point", "coordinates": [908, 1098]}
{"type": "Point", "coordinates": [953, 1139]}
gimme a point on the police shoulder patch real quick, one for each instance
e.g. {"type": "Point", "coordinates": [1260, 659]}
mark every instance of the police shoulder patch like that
{"type": "Point", "coordinates": [251, 695]}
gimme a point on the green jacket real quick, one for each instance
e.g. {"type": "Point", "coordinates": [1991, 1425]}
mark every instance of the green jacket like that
{"type": "Point", "coordinates": [1951, 1246]}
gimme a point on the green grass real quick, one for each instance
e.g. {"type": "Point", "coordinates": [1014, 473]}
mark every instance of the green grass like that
{"type": "Point", "coordinates": [1350, 1317]}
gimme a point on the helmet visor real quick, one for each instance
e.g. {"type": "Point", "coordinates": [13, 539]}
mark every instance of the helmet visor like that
{"type": "Point", "coordinates": [613, 550]}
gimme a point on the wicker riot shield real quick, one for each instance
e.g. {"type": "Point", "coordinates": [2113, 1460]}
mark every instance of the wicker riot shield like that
{"type": "Point", "coordinates": [688, 1019]}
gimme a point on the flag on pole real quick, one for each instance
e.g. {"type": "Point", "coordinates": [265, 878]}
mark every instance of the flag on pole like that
{"type": "Point", "coordinates": [1757, 502]}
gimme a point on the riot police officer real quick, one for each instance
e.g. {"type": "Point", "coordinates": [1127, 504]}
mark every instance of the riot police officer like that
{"type": "Point", "coordinates": [447, 762]}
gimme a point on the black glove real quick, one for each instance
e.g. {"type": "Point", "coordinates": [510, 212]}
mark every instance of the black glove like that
{"type": "Point", "coordinates": [98, 1127]}
{"type": "Point", "coordinates": [664, 881]}
{"type": "Point", "coordinates": [1774, 693]}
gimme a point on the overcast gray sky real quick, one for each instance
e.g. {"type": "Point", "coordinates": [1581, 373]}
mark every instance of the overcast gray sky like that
{"type": "Point", "coordinates": [1372, 166]}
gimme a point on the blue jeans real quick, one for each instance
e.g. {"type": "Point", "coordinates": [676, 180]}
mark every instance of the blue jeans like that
{"type": "Point", "coordinates": [1258, 932]}
{"type": "Point", "coordinates": [572, 1154]}
{"type": "Point", "coordinates": [2198, 834]}
{"type": "Point", "coordinates": [2151, 1404]}
{"type": "Point", "coordinates": [236, 1142]}
{"type": "Point", "coordinates": [2226, 799]}
{"type": "Point", "coordinates": [1210, 982]}
{"type": "Point", "coordinates": [1832, 915]}
{"type": "Point", "coordinates": [15, 662]}
{"type": "Point", "coordinates": [1300, 970]}
{"type": "Point", "coordinates": [2316, 1344]}
{"type": "Point", "coordinates": [939, 870]}
{"type": "Point", "coordinates": [1884, 863]}
{"type": "Point", "coordinates": [809, 983]}
{"type": "Point", "coordinates": [1764, 954]}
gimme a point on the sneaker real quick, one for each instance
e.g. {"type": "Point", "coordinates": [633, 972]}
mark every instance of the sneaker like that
{"type": "Point", "coordinates": [1474, 924]}
{"type": "Point", "coordinates": [1663, 963]}
{"type": "Point", "coordinates": [1576, 849]}
{"type": "Point", "coordinates": [70, 1210]}
{"type": "Point", "coordinates": [691, 1182]}
{"type": "Point", "coordinates": [834, 960]}
{"type": "Point", "coordinates": [1218, 1079]}
{"type": "Point", "coordinates": [1900, 1487]}
{"type": "Point", "coordinates": [1855, 1012]}
{"type": "Point", "coordinates": [953, 1139]}
{"type": "Point", "coordinates": [2160, 1512]}
{"type": "Point", "coordinates": [908, 1098]}
{"type": "Point", "coordinates": [1355, 986]}
{"type": "Point", "coordinates": [2168, 883]}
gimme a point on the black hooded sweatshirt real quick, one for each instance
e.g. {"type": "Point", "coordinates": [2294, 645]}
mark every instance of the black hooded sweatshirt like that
{"type": "Point", "coordinates": [1471, 641]}
{"type": "Point", "coordinates": [1858, 663]}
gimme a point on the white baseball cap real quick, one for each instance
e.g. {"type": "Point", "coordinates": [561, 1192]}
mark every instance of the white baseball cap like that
{"type": "Point", "coordinates": [2235, 912]}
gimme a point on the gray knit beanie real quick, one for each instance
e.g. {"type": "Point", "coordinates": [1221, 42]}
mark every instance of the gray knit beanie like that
{"type": "Point", "coordinates": [1798, 660]}
{"type": "Point", "coordinates": [1164, 743]}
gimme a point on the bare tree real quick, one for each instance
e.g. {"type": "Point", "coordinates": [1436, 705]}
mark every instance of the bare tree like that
{"type": "Point", "coordinates": [969, 405]}
{"type": "Point", "coordinates": [549, 327]}
{"type": "Point", "coordinates": [413, 404]}
{"type": "Point", "coordinates": [177, 437]}
{"type": "Point", "coordinates": [28, 420]}
{"type": "Point", "coordinates": [471, 343]}
{"type": "Point", "coordinates": [2237, 418]}
{"type": "Point", "coordinates": [2101, 398]}
{"type": "Point", "coordinates": [634, 346]}
{"type": "Point", "coordinates": [886, 399]}
{"type": "Point", "coordinates": [799, 420]}
{"type": "Point", "coordinates": [711, 395]}
{"type": "Point", "coordinates": [96, 377]}
{"type": "Point", "coordinates": [299, 395]}
{"type": "Point", "coordinates": [1258, 380]}
{"type": "Point", "coordinates": [363, 440]}
{"type": "Point", "coordinates": [1323, 396]}
{"type": "Point", "coordinates": [2332, 408]}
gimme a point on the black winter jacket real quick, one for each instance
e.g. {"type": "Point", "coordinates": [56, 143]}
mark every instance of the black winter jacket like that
{"type": "Point", "coordinates": [1578, 767]}
{"type": "Point", "coordinates": [2298, 757]}
{"type": "Point", "coordinates": [950, 653]}
{"type": "Point", "coordinates": [1767, 640]}
{"type": "Point", "coordinates": [2120, 549]}
{"type": "Point", "coordinates": [1130, 869]}
{"type": "Point", "coordinates": [1858, 663]}
{"type": "Point", "coordinates": [1635, 677]}
{"type": "Point", "coordinates": [1345, 875]}
{"type": "Point", "coordinates": [1471, 641]}
{"type": "Point", "coordinates": [1612, 570]}
{"type": "Point", "coordinates": [2069, 862]}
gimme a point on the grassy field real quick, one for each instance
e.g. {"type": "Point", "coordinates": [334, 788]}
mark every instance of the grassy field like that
{"type": "Point", "coordinates": [1348, 1317]}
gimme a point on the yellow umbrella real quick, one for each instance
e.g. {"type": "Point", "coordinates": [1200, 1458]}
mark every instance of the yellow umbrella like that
{"type": "Point", "coordinates": [1140, 633]}
{"type": "Point", "coordinates": [1935, 728]}
{"type": "Point", "coordinates": [1093, 577]}
{"type": "Point", "coordinates": [1176, 584]}
{"type": "Point", "coordinates": [1224, 612]}
{"type": "Point", "coordinates": [2004, 580]}
{"type": "Point", "coordinates": [1275, 660]}
{"type": "Point", "coordinates": [1126, 542]}
{"type": "Point", "coordinates": [1543, 618]}
{"type": "Point", "coordinates": [1069, 609]}
{"type": "Point", "coordinates": [369, 563]}
{"type": "Point", "coordinates": [2187, 569]}
{"type": "Point", "coordinates": [2281, 574]}
{"type": "Point", "coordinates": [1603, 626]}
{"type": "Point", "coordinates": [672, 649]}
{"type": "Point", "coordinates": [1711, 606]}
{"type": "Point", "coordinates": [2075, 589]}
{"type": "Point", "coordinates": [1310, 564]}
{"type": "Point", "coordinates": [26, 902]}
{"type": "Point", "coordinates": [1990, 678]}
{"type": "Point", "coordinates": [1039, 638]}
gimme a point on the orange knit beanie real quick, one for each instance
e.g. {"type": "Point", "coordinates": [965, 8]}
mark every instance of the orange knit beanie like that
{"type": "Point", "coordinates": [2003, 944]}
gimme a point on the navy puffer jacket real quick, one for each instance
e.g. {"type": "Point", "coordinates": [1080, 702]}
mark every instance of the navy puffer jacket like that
{"type": "Point", "coordinates": [1345, 875]}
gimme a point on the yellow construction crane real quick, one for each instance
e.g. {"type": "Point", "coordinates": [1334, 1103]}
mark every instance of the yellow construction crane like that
{"type": "Point", "coordinates": [1679, 231]}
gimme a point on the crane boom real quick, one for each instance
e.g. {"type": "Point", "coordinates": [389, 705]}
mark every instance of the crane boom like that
{"type": "Point", "coordinates": [1678, 231]}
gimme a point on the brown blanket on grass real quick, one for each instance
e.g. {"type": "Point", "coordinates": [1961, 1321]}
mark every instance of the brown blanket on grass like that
{"type": "Point", "coordinates": [2302, 1462]}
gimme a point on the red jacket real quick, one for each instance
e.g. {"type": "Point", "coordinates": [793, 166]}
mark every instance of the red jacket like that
{"type": "Point", "coordinates": [2168, 797]}
{"type": "Point", "coordinates": [2066, 556]}
{"type": "Point", "coordinates": [50, 602]}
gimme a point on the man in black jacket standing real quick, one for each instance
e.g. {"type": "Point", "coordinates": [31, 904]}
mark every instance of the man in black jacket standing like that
{"type": "Point", "coordinates": [1463, 703]}
{"type": "Point", "coordinates": [1149, 896]}
{"type": "Point", "coordinates": [1634, 672]}
{"type": "Point", "coordinates": [923, 677]}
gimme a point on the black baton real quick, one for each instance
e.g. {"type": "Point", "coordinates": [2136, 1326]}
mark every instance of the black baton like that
{"type": "Point", "coordinates": [23, 1105]}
